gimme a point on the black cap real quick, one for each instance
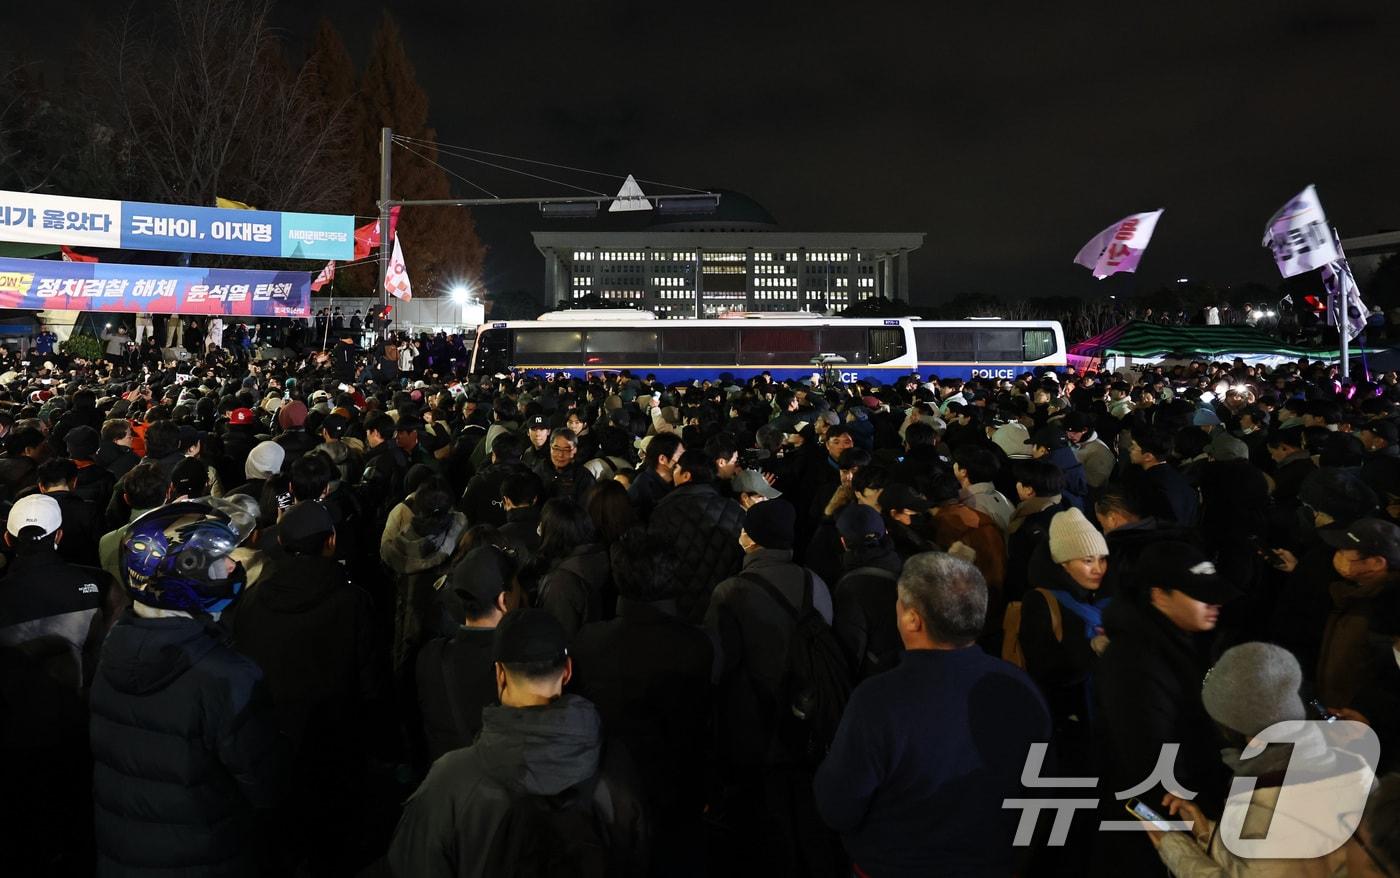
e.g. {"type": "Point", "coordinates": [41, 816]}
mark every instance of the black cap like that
{"type": "Point", "coordinates": [529, 635]}
{"type": "Point", "coordinates": [190, 476]}
{"type": "Point", "coordinates": [1049, 437]}
{"type": "Point", "coordinates": [407, 424]}
{"type": "Point", "coordinates": [481, 576]}
{"type": "Point", "coordinates": [1183, 567]}
{"type": "Point", "coordinates": [82, 442]}
{"type": "Point", "coordinates": [335, 424]}
{"type": "Point", "coordinates": [1372, 537]}
{"type": "Point", "coordinates": [538, 422]}
{"type": "Point", "coordinates": [1078, 421]}
{"type": "Point", "coordinates": [305, 526]}
{"type": "Point", "coordinates": [1339, 493]}
{"type": "Point", "coordinates": [902, 496]}
{"type": "Point", "coordinates": [189, 436]}
{"type": "Point", "coordinates": [859, 522]}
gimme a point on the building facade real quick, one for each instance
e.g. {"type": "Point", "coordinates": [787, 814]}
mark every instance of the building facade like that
{"type": "Point", "coordinates": [736, 261]}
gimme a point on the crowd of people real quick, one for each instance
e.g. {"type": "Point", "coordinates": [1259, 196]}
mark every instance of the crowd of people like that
{"type": "Point", "coordinates": [334, 616]}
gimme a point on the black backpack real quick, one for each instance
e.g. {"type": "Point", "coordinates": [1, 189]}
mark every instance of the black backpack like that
{"type": "Point", "coordinates": [817, 681]}
{"type": "Point", "coordinates": [558, 836]}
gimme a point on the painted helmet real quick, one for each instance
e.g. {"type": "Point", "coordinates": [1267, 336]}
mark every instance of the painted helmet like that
{"type": "Point", "coordinates": [174, 558]}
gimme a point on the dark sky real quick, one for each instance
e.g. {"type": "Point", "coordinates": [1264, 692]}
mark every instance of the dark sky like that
{"type": "Point", "coordinates": [1008, 133]}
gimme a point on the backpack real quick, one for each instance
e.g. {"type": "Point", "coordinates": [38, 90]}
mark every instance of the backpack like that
{"type": "Point", "coordinates": [558, 836]}
{"type": "Point", "coordinates": [872, 663]}
{"type": "Point", "coordinates": [1011, 629]}
{"type": "Point", "coordinates": [817, 678]}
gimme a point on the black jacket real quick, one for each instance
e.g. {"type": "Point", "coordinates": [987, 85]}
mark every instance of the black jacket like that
{"type": "Point", "coordinates": [81, 528]}
{"type": "Point", "coordinates": [456, 680]}
{"type": "Point", "coordinates": [95, 485]}
{"type": "Point", "coordinates": [863, 616]}
{"type": "Point", "coordinates": [116, 459]}
{"type": "Point", "coordinates": [701, 527]}
{"type": "Point", "coordinates": [578, 587]}
{"type": "Point", "coordinates": [648, 672]}
{"type": "Point", "coordinates": [1166, 495]}
{"type": "Point", "coordinates": [43, 597]}
{"type": "Point", "coordinates": [449, 822]}
{"type": "Point", "coordinates": [185, 749]}
{"type": "Point", "coordinates": [313, 635]}
{"type": "Point", "coordinates": [521, 532]}
{"type": "Point", "coordinates": [571, 481]}
{"type": "Point", "coordinates": [239, 440]}
{"type": "Point", "coordinates": [646, 491]}
{"type": "Point", "coordinates": [482, 499]}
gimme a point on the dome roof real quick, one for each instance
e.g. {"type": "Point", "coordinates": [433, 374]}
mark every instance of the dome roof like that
{"type": "Point", "coordinates": [737, 212]}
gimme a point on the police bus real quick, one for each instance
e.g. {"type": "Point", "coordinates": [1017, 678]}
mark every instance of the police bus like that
{"type": "Point", "coordinates": [582, 343]}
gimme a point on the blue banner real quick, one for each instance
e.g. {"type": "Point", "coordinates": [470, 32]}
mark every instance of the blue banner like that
{"type": "Point", "coordinates": [178, 228]}
{"type": "Point", "coordinates": [38, 284]}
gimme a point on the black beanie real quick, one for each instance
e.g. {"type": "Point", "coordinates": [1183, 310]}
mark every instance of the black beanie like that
{"type": "Point", "coordinates": [771, 524]}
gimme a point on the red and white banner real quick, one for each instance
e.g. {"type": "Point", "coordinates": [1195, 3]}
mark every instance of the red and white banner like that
{"type": "Point", "coordinates": [1120, 246]}
{"type": "Point", "coordinates": [326, 276]}
{"type": "Point", "coordinates": [71, 255]}
{"type": "Point", "coordinates": [396, 282]}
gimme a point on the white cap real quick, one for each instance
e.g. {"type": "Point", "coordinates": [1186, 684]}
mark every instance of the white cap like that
{"type": "Point", "coordinates": [35, 510]}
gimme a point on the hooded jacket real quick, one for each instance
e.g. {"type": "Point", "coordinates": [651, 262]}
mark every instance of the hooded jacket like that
{"type": "Point", "coordinates": [184, 745]}
{"type": "Point", "coordinates": [449, 823]}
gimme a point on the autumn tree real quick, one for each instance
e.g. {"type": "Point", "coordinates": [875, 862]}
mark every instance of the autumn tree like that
{"type": "Point", "coordinates": [440, 243]}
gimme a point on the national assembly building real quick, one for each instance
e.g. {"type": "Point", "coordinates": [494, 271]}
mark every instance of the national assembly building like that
{"type": "Point", "coordinates": [736, 259]}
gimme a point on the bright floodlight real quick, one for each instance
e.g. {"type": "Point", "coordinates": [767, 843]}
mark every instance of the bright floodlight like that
{"type": "Point", "coordinates": [460, 294]}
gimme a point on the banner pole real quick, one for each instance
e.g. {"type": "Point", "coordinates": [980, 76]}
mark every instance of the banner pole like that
{"type": "Point", "coordinates": [1344, 319]}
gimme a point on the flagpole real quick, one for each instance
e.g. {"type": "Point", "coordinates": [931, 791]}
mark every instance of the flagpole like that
{"type": "Point", "coordinates": [1344, 320]}
{"type": "Point", "coordinates": [325, 336]}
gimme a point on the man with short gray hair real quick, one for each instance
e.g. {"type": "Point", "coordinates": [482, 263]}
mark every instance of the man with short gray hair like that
{"type": "Point", "coordinates": [946, 714]}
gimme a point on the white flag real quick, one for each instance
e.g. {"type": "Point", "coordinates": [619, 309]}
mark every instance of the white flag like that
{"type": "Point", "coordinates": [1337, 278]}
{"type": "Point", "coordinates": [1120, 246]}
{"type": "Point", "coordinates": [396, 281]}
{"type": "Point", "coordinates": [1299, 235]}
{"type": "Point", "coordinates": [629, 197]}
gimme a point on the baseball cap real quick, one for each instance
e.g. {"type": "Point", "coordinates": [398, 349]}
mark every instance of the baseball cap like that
{"type": "Point", "coordinates": [305, 526]}
{"type": "Point", "coordinates": [749, 481]}
{"type": "Point", "coordinates": [1180, 566]}
{"type": "Point", "coordinates": [538, 422]}
{"type": "Point", "coordinates": [858, 522]}
{"type": "Point", "coordinates": [35, 510]}
{"type": "Point", "coordinates": [1372, 537]}
{"type": "Point", "coordinates": [901, 496]}
{"type": "Point", "coordinates": [405, 424]}
{"type": "Point", "coordinates": [481, 576]}
{"type": "Point", "coordinates": [318, 395]}
{"type": "Point", "coordinates": [529, 635]}
{"type": "Point", "coordinates": [335, 424]}
{"type": "Point", "coordinates": [1077, 421]}
{"type": "Point", "coordinates": [240, 416]}
{"type": "Point", "coordinates": [1049, 437]}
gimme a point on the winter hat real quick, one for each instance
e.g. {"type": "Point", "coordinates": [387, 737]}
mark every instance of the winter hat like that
{"type": "Point", "coordinates": [772, 524]}
{"type": "Point", "coordinates": [265, 460]}
{"type": "Point", "coordinates": [292, 415]}
{"type": "Point", "coordinates": [1253, 686]}
{"type": "Point", "coordinates": [1072, 536]}
{"type": "Point", "coordinates": [1205, 418]}
{"type": "Point", "coordinates": [1223, 446]}
{"type": "Point", "coordinates": [82, 442]}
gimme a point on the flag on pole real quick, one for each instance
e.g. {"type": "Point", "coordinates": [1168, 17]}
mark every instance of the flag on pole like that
{"type": "Point", "coordinates": [71, 255]}
{"type": "Point", "coordinates": [231, 204]}
{"type": "Point", "coordinates": [1338, 279]}
{"type": "Point", "coordinates": [629, 197]}
{"type": "Point", "coordinates": [1120, 246]}
{"type": "Point", "coordinates": [1299, 236]}
{"type": "Point", "coordinates": [396, 281]}
{"type": "Point", "coordinates": [326, 276]}
{"type": "Point", "coordinates": [367, 235]}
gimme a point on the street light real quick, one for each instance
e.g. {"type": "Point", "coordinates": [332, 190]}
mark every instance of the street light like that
{"type": "Point", "coordinates": [460, 294]}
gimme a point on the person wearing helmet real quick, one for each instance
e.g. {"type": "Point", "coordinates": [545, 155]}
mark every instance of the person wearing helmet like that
{"type": "Point", "coordinates": [183, 738]}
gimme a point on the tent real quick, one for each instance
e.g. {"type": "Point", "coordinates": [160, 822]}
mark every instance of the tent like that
{"type": "Point", "coordinates": [1138, 340]}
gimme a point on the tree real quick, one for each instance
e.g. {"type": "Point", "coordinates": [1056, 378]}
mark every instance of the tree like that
{"type": "Point", "coordinates": [443, 248]}
{"type": "Point", "coordinates": [515, 305]}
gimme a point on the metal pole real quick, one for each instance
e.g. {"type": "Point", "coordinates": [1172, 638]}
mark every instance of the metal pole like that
{"type": "Point", "coordinates": [599, 200]}
{"type": "Point", "coordinates": [1344, 318]}
{"type": "Point", "coordinates": [386, 154]}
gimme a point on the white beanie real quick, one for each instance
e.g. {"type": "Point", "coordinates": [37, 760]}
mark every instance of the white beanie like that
{"type": "Point", "coordinates": [265, 460]}
{"type": "Point", "coordinates": [1072, 536]}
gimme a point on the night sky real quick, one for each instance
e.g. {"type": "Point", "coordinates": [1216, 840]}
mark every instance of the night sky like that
{"type": "Point", "coordinates": [1010, 134]}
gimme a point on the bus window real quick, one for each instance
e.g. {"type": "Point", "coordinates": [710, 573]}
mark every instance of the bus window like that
{"type": "Point", "coordinates": [847, 341]}
{"type": "Point", "coordinates": [620, 347]}
{"type": "Point", "coordinates": [999, 345]}
{"type": "Point", "coordinates": [492, 351]}
{"type": "Point", "coordinates": [697, 346]}
{"type": "Point", "coordinates": [760, 345]}
{"type": "Point", "coordinates": [1038, 343]}
{"type": "Point", "coordinates": [548, 347]}
{"type": "Point", "coordinates": [886, 345]}
{"type": "Point", "coordinates": [944, 344]}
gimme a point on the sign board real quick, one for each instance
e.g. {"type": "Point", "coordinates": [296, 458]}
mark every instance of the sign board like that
{"type": "Point", "coordinates": [177, 228]}
{"type": "Point", "coordinates": [105, 286]}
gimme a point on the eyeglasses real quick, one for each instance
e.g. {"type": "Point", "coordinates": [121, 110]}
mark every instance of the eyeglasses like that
{"type": "Point", "coordinates": [561, 449]}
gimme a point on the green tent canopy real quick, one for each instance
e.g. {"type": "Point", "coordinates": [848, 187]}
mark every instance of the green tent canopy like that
{"type": "Point", "coordinates": [1138, 339]}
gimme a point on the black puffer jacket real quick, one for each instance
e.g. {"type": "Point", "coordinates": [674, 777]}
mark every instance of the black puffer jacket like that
{"type": "Point", "coordinates": [702, 528]}
{"type": "Point", "coordinates": [185, 749]}
{"type": "Point", "coordinates": [578, 587]}
{"type": "Point", "coordinates": [863, 609]}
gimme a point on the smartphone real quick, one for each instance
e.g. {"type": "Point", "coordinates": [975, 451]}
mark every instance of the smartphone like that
{"type": "Point", "coordinates": [1146, 814]}
{"type": "Point", "coordinates": [1269, 553]}
{"type": "Point", "coordinates": [1322, 712]}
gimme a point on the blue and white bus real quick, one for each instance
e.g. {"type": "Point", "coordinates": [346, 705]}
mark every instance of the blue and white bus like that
{"type": "Point", "coordinates": [583, 343]}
